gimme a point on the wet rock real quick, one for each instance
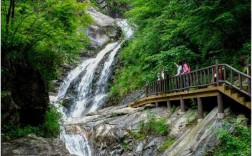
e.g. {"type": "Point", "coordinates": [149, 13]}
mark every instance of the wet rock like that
{"type": "Point", "coordinates": [139, 148]}
{"type": "Point", "coordinates": [67, 102]}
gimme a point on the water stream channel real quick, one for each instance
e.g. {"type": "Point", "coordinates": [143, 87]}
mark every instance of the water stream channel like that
{"type": "Point", "coordinates": [87, 93]}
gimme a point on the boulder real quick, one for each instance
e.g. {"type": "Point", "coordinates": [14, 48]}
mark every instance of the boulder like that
{"type": "Point", "coordinates": [101, 31]}
{"type": "Point", "coordinates": [33, 145]}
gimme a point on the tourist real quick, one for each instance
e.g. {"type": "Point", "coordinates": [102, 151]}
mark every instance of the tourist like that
{"type": "Point", "coordinates": [160, 77]}
{"type": "Point", "coordinates": [179, 68]}
{"type": "Point", "coordinates": [179, 72]}
{"type": "Point", "coordinates": [186, 70]}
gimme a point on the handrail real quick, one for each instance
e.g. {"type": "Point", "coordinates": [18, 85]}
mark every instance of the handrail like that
{"type": "Point", "coordinates": [212, 75]}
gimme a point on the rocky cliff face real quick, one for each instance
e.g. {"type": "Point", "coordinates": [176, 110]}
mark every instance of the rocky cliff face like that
{"type": "Point", "coordinates": [102, 31]}
{"type": "Point", "coordinates": [30, 93]}
{"type": "Point", "coordinates": [108, 131]}
{"type": "Point", "coordinates": [28, 99]}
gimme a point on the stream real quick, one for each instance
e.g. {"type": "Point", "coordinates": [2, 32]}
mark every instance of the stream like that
{"type": "Point", "coordinates": [87, 94]}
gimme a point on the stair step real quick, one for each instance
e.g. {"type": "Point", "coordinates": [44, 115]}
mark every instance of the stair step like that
{"type": "Point", "coordinates": [248, 104]}
{"type": "Point", "coordinates": [241, 99]}
{"type": "Point", "coordinates": [235, 95]}
{"type": "Point", "coordinates": [230, 91]}
{"type": "Point", "coordinates": [227, 87]}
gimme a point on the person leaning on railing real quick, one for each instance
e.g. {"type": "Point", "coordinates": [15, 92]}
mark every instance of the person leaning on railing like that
{"type": "Point", "coordinates": [186, 70]}
{"type": "Point", "coordinates": [179, 72]}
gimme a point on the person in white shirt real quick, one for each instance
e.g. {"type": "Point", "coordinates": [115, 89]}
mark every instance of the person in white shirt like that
{"type": "Point", "coordinates": [179, 68]}
{"type": "Point", "coordinates": [179, 72]}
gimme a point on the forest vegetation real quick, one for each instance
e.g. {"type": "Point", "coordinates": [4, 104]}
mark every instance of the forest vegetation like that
{"type": "Point", "coordinates": [168, 31]}
{"type": "Point", "coordinates": [37, 38]}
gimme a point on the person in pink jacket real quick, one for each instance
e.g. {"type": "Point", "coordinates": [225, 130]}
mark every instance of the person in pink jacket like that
{"type": "Point", "coordinates": [186, 67]}
{"type": "Point", "coordinates": [186, 70]}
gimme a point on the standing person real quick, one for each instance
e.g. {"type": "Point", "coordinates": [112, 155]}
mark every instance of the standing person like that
{"type": "Point", "coordinates": [179, 72]}
{"type": "Point", "coordinates": [160, 77]}
{"type": "Point", "coordinates": [179, 68]}
{"type": "Point", "coordinates": [186, 70]}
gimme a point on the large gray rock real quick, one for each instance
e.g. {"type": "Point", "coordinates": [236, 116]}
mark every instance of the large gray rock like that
{"type": "Point", "coordinates": [196, 140]}
{"type": "Point", "coordinates": [33, 145]}
{"type": "Point", "coordinates": [102, 30]}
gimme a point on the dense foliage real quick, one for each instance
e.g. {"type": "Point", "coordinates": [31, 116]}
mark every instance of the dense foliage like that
{"type": "Point", "coordinates": [38, 36]}
{"type": "Point", "coordinates": [41, 34]}
{"type": "Point", "coordinates": [233, 143]}
{"type": "Point", "coordinates": [170, 30]}
{"type": "Point", "coordinates": [51, 127]}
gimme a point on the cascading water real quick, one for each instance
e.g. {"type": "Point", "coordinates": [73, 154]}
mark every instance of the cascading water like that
{"type": "Point", "coordinates": [85, 86]}
{"type": "Point", "coordinates": [88, 97]}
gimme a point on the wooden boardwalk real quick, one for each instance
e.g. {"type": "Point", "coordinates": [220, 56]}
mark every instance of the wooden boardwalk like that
{"type": "Point", "coordinates": [200, 83]}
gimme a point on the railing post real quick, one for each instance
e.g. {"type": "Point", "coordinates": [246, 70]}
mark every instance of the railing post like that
{"type": "Point", "coordinates": [167, 83]}
{"type": "Point", "coordinates": [231, 78]}
{"type": "Point", "coordinates": [208, 76]}
{"type": "Point", "coordinates": [249, 73]}
{"type": "Point", "coordinates": [225, 74]}
{"type": "Point", "coordinates": [156, 92]}
{"type": "Point", "coordinates": [161, 86]}
{"type": "Point", "coordinates": [197, 76]}
{"type": "Point", "coordinates": [217, 72]}
{"type": "Point", "coordinates": [240, 80]}
{"type": "Point", "coordinates": [181, 82]}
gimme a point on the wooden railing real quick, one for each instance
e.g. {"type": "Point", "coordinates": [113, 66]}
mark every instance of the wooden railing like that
{"type": "Point", "coordinates": [201, 78]}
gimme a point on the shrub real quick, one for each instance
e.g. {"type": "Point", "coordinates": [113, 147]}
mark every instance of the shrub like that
{"type": "Point", "coordinates": [11, 131]}
{"type": "Point", "coordinates": [152, 126]}
{"type": "Point", "coordinates": [50, 128]}
{"type": "Point", "coordinates": [235, 143]}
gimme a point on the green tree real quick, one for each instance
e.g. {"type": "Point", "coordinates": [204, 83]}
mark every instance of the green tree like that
{"type": "Point", "coordinates": [168, 31]}
{"type": "Point", "coordinates": [37, 38]}
{"type": "Point", "coordinates": [42, 34]}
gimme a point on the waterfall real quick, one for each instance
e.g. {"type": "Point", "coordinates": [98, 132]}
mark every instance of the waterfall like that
{"type": "Point", "coordinates": [71, 76]}
{"type": "Point", "coordinates": [100, 93]}
{"type": "Point", "coordinates": [127, 31]}
{"type": "Point", "coordinates": [85, 89]}
{"type": "Point", "coordinates": [90, 92]}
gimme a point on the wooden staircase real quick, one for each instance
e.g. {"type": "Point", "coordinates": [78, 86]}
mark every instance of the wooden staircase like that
{"type": "Point", "coordinates": [235, 95]}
